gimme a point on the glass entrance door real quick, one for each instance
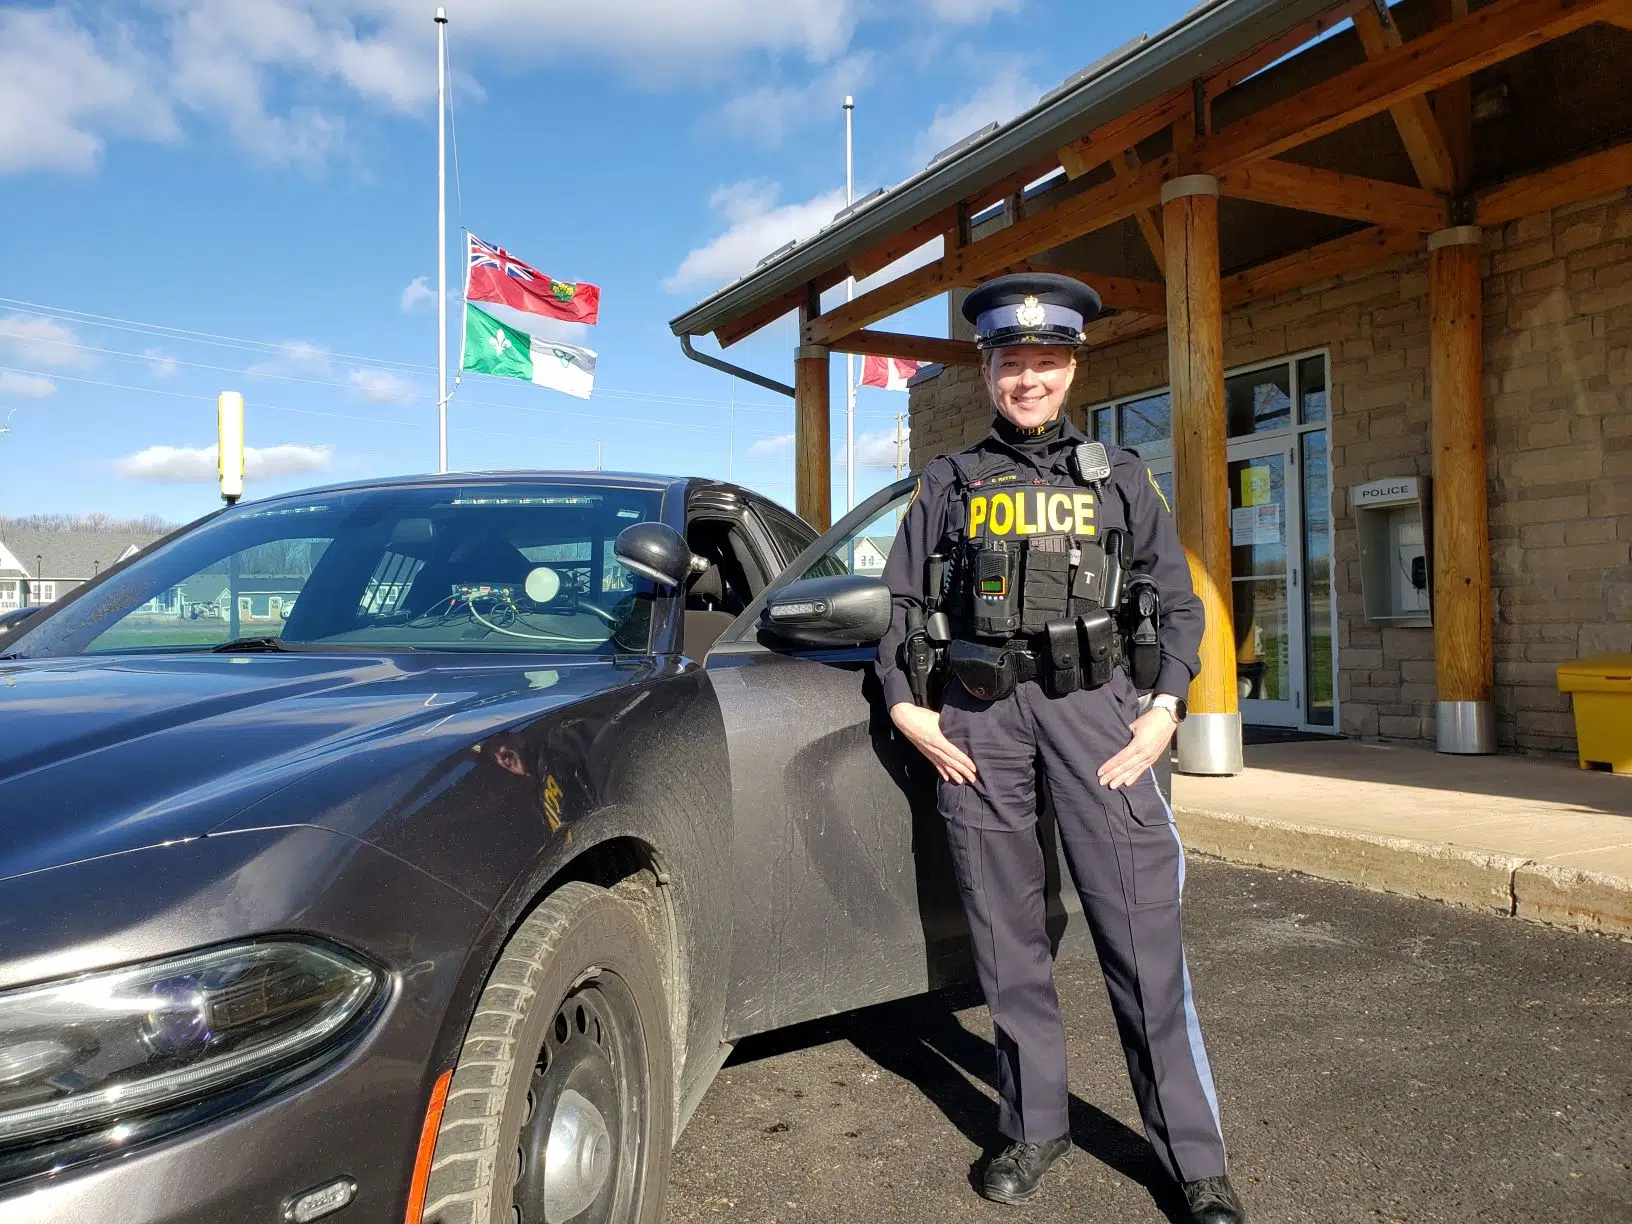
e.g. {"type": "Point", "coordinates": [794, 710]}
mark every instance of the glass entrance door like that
{"type": "Point", "coordinates": [1268, 605]}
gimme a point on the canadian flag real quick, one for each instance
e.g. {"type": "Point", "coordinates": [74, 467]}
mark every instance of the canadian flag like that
{"type": "Point", "coordinates": [891, 373]}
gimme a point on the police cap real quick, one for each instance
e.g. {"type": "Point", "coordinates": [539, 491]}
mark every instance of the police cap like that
{"type": "Point", "coordinates": [1030, 308]}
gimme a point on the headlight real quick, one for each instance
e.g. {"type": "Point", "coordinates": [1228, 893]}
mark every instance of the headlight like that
{"type": "Point", "coordinates": [126, 1043]}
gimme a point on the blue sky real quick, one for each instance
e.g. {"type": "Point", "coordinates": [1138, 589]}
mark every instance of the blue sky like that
{"type": "Point", "coordinates": [240, 194]}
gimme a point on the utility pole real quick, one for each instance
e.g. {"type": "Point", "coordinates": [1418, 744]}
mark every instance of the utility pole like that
{"type": "Point", "coordinates": [849, 295]}
{"type": "Point", "coordinates": [900, 444]}
{"type": "Point", "coordinates": [597, 454]}
{"type": "Point", "coordinates": [731, 436]}
{"type": "Point", "coordinates": [442, 239]}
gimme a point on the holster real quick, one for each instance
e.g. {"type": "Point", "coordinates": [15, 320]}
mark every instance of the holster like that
{"type": "Point", "coordinates": [989, 673]}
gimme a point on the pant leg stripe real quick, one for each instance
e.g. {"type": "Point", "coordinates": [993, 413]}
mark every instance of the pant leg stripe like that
{"type": "Point", "coordinates": [1192, 1022]}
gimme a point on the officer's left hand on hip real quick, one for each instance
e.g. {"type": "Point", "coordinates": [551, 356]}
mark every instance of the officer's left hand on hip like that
{"type": "Point", "coordinates": [1152, 734]}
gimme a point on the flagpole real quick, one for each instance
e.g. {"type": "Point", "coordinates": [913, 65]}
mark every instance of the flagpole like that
{"type": "Point", "coordinates": [849, 358]}
{"type": "Point", "coordinates": [441, 239]}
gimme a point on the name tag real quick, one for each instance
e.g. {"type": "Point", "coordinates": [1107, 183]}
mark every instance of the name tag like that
{"type": "Point", "coordinates": [1031, 512]}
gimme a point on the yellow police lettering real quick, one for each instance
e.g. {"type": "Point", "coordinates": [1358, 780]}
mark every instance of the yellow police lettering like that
{"type": "Point", "coordinates": [977, 515]}
{"type": "Point", "coordinates": [1056, 503]}
{"type": "Point", "coordinates": [1082, 509]}
{"type": "Point", "coordinates": [1002, 509]}
{"type": "Point", "coordinates": [1021, 526]}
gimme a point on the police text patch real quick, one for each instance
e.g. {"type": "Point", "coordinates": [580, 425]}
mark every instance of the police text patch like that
{"type": "Point", "coordinates": [1031, 512]}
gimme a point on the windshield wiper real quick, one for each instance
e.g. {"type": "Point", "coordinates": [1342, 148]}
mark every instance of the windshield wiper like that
{"type": "Point", "coordinates": [248, 645]}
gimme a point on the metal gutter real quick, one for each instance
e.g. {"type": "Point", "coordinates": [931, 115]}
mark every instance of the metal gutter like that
{"type": "Point", "coordinates": [736, 371]}
{"type": "Point", "coordinates": [1210, 35]}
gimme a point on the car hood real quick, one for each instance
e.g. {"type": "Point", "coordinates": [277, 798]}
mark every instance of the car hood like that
{"type": "Point", "coordinates": [101, 756]}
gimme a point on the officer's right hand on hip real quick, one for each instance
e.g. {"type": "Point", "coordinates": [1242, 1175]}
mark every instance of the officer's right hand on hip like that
{"type": "Point", "coordinates": [923, 728]}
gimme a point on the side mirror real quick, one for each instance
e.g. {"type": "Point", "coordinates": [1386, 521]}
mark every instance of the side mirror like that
{"type": "Point", "coordinates": [656, 551]}
{"type": "Point", "coordinates": [846, 610]}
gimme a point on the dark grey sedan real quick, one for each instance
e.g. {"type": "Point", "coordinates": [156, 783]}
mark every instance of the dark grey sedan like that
{"type": "Point", "coordinates": [435, 877]}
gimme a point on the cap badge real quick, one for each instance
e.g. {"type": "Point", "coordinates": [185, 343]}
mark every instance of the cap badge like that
{"type": "Point", "coordinates": [1031, 313]}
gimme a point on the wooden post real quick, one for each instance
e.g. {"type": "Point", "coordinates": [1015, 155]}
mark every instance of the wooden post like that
{"type": "Point", "coordinates": [813, 475]}
{"type": "Point", "coordinates": [1463, 671]}
{"type": "Point", "coordinates": [1210, 739]}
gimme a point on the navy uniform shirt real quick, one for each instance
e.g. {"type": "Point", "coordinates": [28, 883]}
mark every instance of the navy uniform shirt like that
{"type": "Point", "coordinates": [1152, 536]}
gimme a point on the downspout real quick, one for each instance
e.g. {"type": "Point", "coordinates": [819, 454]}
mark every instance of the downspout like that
{"type": "Point", "coordinates": [725, 367]}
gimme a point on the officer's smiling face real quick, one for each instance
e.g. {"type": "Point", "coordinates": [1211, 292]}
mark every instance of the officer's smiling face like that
{"type": "Point", "coordinates": [1028, 383]}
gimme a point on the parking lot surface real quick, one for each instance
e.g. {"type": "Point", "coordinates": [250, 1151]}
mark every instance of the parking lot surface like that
{"type": "Point", "coordinates": [1378, 1059]}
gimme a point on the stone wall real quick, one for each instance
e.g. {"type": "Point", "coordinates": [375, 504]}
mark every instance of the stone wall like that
{"type": "Point", "coordinates": [1558, 386]}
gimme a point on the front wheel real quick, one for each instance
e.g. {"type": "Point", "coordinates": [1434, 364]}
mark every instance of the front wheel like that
{"type": "Point", "coordinates": [561, 1107]}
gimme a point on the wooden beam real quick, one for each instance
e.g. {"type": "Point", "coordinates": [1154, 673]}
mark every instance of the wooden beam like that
{"type": "Point", "coordinates": [1391, 205]}
{"type": "Point", "coordinates": [1339, 257]}
{"type": "Point", "coordinates": [1006, 187]}
{"type": "Point", "coordinates": [746, 325]}
{"type": "Point", "coordinates": [1487, 36]}
{"type": "Point", "coordinates": [991, 256]}
{"type": "Point", "coordinates": [1150, 226]}
{"type": "Point", "coordinates": [1413, 118]}
{"type": "Point", "coordinates": [1582, 179]}
{"type": "Point", "coordinates": [1453, 108]}
{"type": "Point", "coordinates": [1463, 669]}
{"type": "Point", "coordinates": [909, 348]}
{"type": "Point", "coordinates": [1260, 57]}
{"type": "Point", "coordinates": [1115, 292]}
{"type": "Point", "coordinates": [812, 417]}
{"type": "Point", "coordinates": [1114, 329]}
{"type": "Point", "coordinates": [1109, 140]}
{"type": "Point", "coordinates": [905, 243]}
{"type": "Point", "coordinates": [1195, 345]}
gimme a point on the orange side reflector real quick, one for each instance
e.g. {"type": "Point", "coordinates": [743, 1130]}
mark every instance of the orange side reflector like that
{"type": "Point", "coordinates": [427, 1148]}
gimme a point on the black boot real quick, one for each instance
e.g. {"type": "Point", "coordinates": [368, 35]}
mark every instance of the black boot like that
{"type": "Point", "coordinates": [1017, 1171]}
{"type": "Point", "coordinates": [1214, 1201]}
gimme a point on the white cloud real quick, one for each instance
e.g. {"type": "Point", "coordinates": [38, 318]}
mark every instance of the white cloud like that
{"type": "Point", "coordinates": [30, 386]}
{"type": "Point", "coordinates": [64, 90]}
{"type": "Point", "coordinates": [293, 357]}
{"type": "Point", "coordinates": [1010, 91]}
{"type": "Point", "coordinates": [160, 362]}
{"type": "Point", "coordinates": [43, 340]}
{"type": "Point", "coordinates": [971, 10]}
{"type": "Point", "coordinates": [771, 448]}
{"type": "Point", "coordinates": [383, 387]}
{"type": "Point", "coordinates": [418, 293]}
{"type": "Point", "coordinates": [197, 464]}
{"type": "Point", "coordinates": [767, 115]}
{"type": "Point", "coordinates": [757, 226]}
{"type": "Point", "coordinates": [878, 449]}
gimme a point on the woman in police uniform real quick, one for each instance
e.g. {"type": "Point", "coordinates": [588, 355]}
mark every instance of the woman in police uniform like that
{"type": "Point", "coordinates": [1025, 526]}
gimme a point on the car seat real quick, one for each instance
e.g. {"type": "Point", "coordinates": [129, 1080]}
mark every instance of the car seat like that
{"type": "Point", "coordinates": [702, 622]}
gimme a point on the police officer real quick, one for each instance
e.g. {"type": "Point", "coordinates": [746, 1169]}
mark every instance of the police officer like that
{"type": "Point", "coordinates": [1023, 533]}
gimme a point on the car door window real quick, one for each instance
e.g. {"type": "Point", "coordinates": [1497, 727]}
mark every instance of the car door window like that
{"type": "Point", "coordinates": [859, 543]}
{"type": "Point", "coordinates": [792, 536]}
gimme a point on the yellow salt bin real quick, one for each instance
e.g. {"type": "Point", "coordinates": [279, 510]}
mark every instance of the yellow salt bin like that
{"type": "Point", "coordinates": [1601, 689]}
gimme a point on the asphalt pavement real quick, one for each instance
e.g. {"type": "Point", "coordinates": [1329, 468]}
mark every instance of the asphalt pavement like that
{"type": "Point", "coordinates": [1378, 1059]}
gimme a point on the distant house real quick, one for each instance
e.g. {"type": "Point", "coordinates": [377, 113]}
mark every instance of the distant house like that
{"type": "Point", "coordinates": [871, 552]}
{"type": "Point", "coordinates": [39, 566]}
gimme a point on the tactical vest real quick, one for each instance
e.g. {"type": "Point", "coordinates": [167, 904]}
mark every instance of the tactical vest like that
{"type": "Point", "coordinates": [1027, 552]}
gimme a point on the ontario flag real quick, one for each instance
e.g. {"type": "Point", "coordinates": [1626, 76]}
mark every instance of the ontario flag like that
{"type": "Point", "coordinates": [891, 373]}
{"type": "Point", "coordinates": [492, 274]}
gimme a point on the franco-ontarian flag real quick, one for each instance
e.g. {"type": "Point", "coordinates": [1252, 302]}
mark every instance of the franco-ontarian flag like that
{"type": "Point", "coordinates": [492, 347]}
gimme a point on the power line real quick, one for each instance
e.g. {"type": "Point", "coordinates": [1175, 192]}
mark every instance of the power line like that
{"type": "Point", "coordinates": [274, 348]}
{"type": "Point", "coordinates": [352, 386]}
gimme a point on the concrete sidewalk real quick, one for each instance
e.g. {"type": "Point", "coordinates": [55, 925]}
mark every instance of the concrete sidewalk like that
{"type": "Point", "coordinates": [1528, 837]}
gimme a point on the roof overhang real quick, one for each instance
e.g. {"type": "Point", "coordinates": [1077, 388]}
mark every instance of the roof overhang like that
{"type": "Point", "coordinates": [1207, 37]}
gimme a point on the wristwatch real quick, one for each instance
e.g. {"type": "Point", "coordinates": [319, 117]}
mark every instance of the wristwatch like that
{"type": "Point", "coordinates": [1173, 705]}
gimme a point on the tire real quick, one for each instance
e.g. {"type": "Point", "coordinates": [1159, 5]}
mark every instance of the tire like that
{"type": "Point", "coordinates": [574, 1012]}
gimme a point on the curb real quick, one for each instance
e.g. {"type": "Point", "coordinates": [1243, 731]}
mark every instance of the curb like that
{"type": "Point", "coordinates": [1496, 883]}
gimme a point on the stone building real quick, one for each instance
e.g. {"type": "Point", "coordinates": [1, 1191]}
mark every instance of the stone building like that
{"type": "Point", "coordinates": [1368, 279]}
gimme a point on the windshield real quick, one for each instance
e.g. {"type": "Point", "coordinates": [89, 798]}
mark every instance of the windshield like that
{"type": "Point", "coordinates": [483, 567]}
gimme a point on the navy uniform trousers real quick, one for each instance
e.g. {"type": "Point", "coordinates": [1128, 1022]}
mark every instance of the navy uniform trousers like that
{"type": "Point", "coordinates": [1125, 858]}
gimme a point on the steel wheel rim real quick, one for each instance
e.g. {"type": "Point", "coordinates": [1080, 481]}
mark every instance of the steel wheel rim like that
{"type": "Point", "coordinates": [581, 1146]}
